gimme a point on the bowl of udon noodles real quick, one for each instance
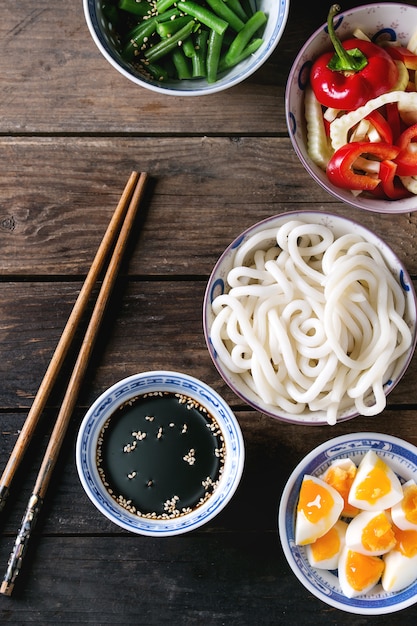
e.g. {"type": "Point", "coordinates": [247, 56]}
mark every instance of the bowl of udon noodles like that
{"type": "Point", "coordinates": [310, 318]}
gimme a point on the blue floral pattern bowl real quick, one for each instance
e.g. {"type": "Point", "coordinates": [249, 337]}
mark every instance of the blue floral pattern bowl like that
{"type": "Point", "coordinates": [106, 40]}
{"type": "Point", "coordinates": [398, 22]}
{"type": "Point", "coordinates": [339, 226]}
{"type": "Point", "coordinates": [125, 393]}
{"type": "Point", "coordinates": [401, 456]}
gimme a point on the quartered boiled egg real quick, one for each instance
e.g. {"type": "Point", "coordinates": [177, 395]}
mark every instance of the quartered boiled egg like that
{"type": "Point", "coordinates": [358, 573]}
{"type": "Point", "coordinates": [319, 507]}
{"type": "Point", "coordinates": [404, 514]}
{"type": "Point", "coordinates": [401, 563]}
{"type": "Point", "coordinates": [325, 552]}
{"type": "Point", "coordinates": [340, 475]}
{"type": "Point", "coordinates": [371, 532]}
{"type": "Point", "coordinates": [375, 486]}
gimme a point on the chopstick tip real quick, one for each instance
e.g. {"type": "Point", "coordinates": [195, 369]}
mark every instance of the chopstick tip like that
{"type": "Point", "coordinates": [6, 588]}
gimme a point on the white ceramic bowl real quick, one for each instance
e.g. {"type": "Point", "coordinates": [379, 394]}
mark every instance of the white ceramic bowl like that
{"type": "Point", "coordinates": [402, 458]}
{"type": "Point", "coordinates": [399, 21]}
{"type": "Point", "coordinates": [125, 391]}
{"type": "Point", "coordinates": [217, 285]}
{"type": "Point", "coordinates": [106, 40]}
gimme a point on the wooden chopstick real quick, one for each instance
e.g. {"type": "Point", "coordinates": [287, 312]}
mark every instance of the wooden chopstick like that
{"type": "Point", "coordinates": [70, 398]}
{"type": "Point", "coordinates": [65, 341]}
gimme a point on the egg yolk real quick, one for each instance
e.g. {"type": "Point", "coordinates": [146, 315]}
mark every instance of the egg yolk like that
{"type": "Point", "coordinates": [375, 485]}
{"type": "Point", "coordinates": [327, 546]}
{"type": "Point", "coordinates": [315, 501]}
{"type": "Point", "coordinates": [406, 542]}
{"type": "Point", "coordinates": [409, 503]}
{"type": "Point", "coordinates": [362, 570]}
{"type": "Point", "coordinates": [341, 479]}
{"type": "Point", "coordinates": [378, 534]}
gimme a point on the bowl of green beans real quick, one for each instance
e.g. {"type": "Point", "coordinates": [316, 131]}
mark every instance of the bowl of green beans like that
{"type": "Point", "coordinates": [186, 47]}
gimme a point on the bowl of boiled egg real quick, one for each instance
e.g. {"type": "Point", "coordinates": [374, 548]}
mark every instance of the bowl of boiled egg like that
{"type": "Point", "coordinates": [348, 523]}
{"type": "Point", "coordinates": [310, 318]}
{"type": "Point", "coordinates": [354, 147]}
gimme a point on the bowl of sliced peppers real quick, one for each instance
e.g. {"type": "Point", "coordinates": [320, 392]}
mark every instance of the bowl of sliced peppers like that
{"type": "Point", "coordinates": [186, 47]}
{"type": "Point", "coordinates": [351, 106]}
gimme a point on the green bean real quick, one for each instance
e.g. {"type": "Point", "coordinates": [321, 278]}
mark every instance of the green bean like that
{"type": "Point", "coordinates": [136, 8]}
{"type": "Point", "coordinates": [181, 64]}
{"type": "Point", "coordinates": [136, 37]}
{"type": "Point", "coordinates": [111, 14]}
{"type": "Point", "coordinates": [165, 29]}
{"type": "Point", "coordinates": [163, 5]}
{"type": "Point", "coordinates": [199, 61]}
{"type": "Point", "coordinates": [237, 8]}
{"type": "Point", "coordinates": [190, 51]}
{"type": "Point", "coordinates": [222, 10]}
{"type": "Point", "coordinates": [242, 39]}
{"type": "Point", "coordinates": [170, 43]}
{"type": "Point", "coordinates": [252, 47]}
{"type": "Point", "coordinates": [188, 48]}
{"type": "Point", "coordinates": [186, 39]}
{"type": "Point", "coordinates": [214, 48]}
{"type": "Point", "coordinates": [210, 19]}
{"type": "Point", "coordinates": [247, 7]}
{"type": "Point", "coordinates": [156, 71]}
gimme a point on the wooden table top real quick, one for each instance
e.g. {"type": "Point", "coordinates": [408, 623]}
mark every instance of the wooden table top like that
{"type": "Point", "coordinates": [71, 131]}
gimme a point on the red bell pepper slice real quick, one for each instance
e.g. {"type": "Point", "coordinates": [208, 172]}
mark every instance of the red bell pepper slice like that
{"type": "Point", "coordinates": [340, 169]}
{"type": "Point", "coordinates": [401, 53]}
{"type": "Point", "coordinates": [406, 159]}
{"type": "Point", "coordinates": [390, 183]}
{"type": "Point", "coordinates": [394, 120]}
{"type": "Point", "coordinates": [381, 125]}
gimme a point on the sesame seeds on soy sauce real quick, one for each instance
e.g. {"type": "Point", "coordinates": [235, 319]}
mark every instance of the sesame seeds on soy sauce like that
{"type": "Point", "coordinates": [161, 455]}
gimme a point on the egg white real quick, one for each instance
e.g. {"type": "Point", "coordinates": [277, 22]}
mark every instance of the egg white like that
{"type": "Point", "coordinates": [347, 589]}
{"type": "Point", "coordinates": [332, 561]}
{"type": "Point", "coordinates": [354, 538]}
{"type": "Point", "coordinates": [305, 531]}
{"type": "Point", "coordinates": [399, 515]}
{"type": "Point", "coordinates": [400, 571]}
{"type": "Point", "coordinates": [387, 500]}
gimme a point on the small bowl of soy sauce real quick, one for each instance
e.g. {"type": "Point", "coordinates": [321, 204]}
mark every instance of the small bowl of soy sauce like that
{"type": "Point", "coordinates": [160, 453]}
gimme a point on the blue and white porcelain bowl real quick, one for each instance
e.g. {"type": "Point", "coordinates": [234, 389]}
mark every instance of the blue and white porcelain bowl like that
{"type": "Point", "coordinates": [217, 285]}
{"type": "Point", "coordinates": [106, 40]}
{"type": "Point", "coordinates": [106, 410]}
{"type": "Point", "coordinates": [396, 21]}
{"type": "Point", "coordinates": [401, 456]}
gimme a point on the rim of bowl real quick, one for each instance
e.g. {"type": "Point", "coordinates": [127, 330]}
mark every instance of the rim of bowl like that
{"type": "Point", "coordinates": [377, 205]}
{"type": "Point", "coordinates": [247, 70]}
{"type": "Point", "coordinates": [323, 215]}
{"type": "Point", "coordinates": [105, 406]}
{"type": "Point", "coordinates": [342, 446]}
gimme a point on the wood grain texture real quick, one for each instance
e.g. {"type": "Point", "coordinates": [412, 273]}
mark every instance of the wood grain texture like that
{"type": "Point", "coordinates": [53, 224]}
{"type": "Point", "coordinates": [71, 130]}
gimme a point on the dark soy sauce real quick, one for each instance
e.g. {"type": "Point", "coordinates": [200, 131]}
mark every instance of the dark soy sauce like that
{"type": "Point", "coordinates": [161, 455]}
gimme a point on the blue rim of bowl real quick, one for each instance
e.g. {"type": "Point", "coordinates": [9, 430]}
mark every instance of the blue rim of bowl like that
{"type": "Point", "coordinates": [325, 585]}
{"type": "Point", "coordinates": [248, 68]}
{"type": "Point", "coordinates": [377, 206]}
{"type": "Point", "coordinates": [109, 401]}
{"type": "Point", "coordinates": [214, 284]}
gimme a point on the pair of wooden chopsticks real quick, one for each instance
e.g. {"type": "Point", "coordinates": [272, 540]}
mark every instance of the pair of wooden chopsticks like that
{"type": "Point", "coordinates": [119, 227]}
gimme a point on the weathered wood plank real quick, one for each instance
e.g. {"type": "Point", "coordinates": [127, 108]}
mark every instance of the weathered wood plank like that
{"type": "Point", "coordinates": [58, 195]}
{"type": "Point", "coordinates": [273, 449]}
{"type": "Point", "coordinates": [55, 80]}
{"type": "Point", "coordinates": [63, 72]}
{"type": "Point", "coordinates": [150, 325]}
{"type": "Point", "coordinates": [217, 578]}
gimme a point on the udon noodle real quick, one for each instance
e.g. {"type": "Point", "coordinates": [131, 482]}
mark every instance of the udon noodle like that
{"type": "Point", "coordinates": [311, 322]}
